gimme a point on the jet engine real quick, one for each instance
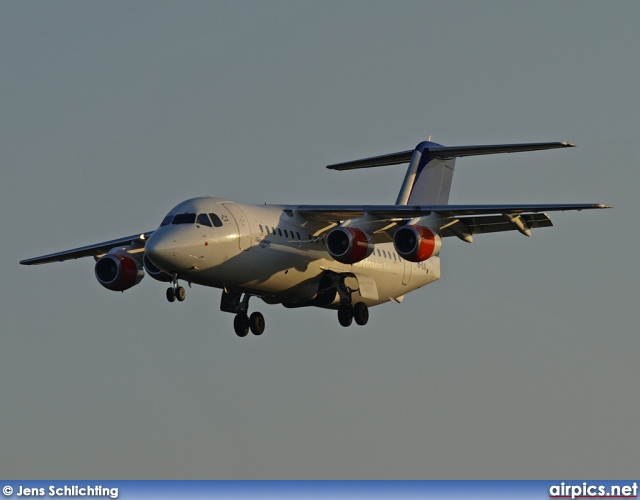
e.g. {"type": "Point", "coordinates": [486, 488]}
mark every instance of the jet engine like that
{"type": "Point", "coordinates": [154, 272]}
{"type": "Point", "coordinates": [118, 272]}
{"type": "Point", "coordinates": [416, 243]}
{"type": "Point", "coordinates": [349, 245]}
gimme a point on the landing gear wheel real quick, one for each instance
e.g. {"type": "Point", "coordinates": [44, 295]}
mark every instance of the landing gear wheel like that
{"type": "Point", "coordinates": [171, 295]}
{"type": "Point", "coordinates": [361, 313]}
{"type": "Point", "coordinates": [180, 293]}
{"type": "Point", "coordinates": [345, 316]}
{"type": "Point", "coordinates": [241, 325]}
{"type": "Point", "coordinates": [256, 323]}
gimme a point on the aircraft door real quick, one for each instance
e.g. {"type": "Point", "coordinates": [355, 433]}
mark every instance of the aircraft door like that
{"type": "Point", "coordinates": [242, 223]}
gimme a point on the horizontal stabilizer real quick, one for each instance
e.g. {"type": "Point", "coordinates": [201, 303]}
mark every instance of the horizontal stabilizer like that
{"type": "Point", "coordinates": [444, 152]}
{"type": "Point", "coordinates": [375, 161]}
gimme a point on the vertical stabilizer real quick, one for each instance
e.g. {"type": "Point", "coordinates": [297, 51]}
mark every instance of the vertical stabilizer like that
{"type": "Point", "coordinates": [428, 179]}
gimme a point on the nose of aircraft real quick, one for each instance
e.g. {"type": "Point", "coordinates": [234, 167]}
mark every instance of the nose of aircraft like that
{"type": "Point", "coordinates": [160, 250]}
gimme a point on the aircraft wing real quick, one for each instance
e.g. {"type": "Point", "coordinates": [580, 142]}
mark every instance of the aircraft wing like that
{"type": "Point", "coordinates": [95, 250]}
{"type": "Point", "coordinates": [337, 213]}
{"type": "Point", "coordinates": [462, 221]}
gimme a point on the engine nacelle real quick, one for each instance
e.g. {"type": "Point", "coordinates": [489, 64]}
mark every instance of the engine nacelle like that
{"type": "Point", "coordinates": [154, 272]}
{"type": "Point", "coordinates": [416, 243]}
{"type": "Point", "coordinates": [118, 272]}
{"type": "Point", "coordinates": [349, 245]}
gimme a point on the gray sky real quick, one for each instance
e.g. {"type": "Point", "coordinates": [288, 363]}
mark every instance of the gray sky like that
{"type": "Point", "coordinates": [521, 362]}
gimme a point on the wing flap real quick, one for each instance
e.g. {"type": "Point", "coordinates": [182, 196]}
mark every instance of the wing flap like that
{"type": "Point", "coordinates": [464, 227]}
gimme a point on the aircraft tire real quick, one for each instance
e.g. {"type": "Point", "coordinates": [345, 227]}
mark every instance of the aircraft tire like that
{"type": "Point", "coordinates": [171, 294]}
{"type": "Point", "coordinates": [361, 313]}
{"type": "Point", "coordinates": [181, 293]}
{"type": "Point", "coordinates": [241, 325]}
{"type": "Point", "coordinates": [345, 316]}
{"type": "Point", "coordinates": [256, 323]}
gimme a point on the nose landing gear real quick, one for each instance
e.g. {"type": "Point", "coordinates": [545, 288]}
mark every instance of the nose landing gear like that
{"type": "Point", "coordinates": [176, 292]}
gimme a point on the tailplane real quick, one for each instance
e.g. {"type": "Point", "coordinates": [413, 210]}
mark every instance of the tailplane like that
{"type": "Point", "coordinates": [431, 165]}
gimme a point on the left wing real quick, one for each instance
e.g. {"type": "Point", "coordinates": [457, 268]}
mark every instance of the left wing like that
{"type": "Point", "coordinates": [96, 250]}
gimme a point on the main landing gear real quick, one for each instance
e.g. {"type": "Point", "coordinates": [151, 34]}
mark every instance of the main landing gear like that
{"type": "Point", "coordinates": [176, 291]}
{"type": "Point", "coordinates": [359, 313]}
{"type": "Point", "coordinates": [235, 302]}
{"type": "Point", "coordinates": [243, 323]}
{"type": "Point", "coordinates": [346, 312]}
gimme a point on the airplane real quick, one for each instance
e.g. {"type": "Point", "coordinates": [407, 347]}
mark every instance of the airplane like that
{"type": "Point", "coordinates": [342, 257]}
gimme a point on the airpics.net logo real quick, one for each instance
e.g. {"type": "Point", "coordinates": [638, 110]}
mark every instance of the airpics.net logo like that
{"type": "Point", "coordinates": [586, 490]}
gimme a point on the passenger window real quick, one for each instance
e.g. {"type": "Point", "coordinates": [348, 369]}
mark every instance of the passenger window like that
{"type": "Point", "coordinates": [378, 250]}
{"type": "Point", "coordinates": [216, 220]}
{"type": "Point", "coordinates": [261, 230]}
{"type": "Point", "coordinates": [166, 221]}
{"type": "Point", "coordinates": [297, 235]}
{"type": "Point", "coordinates": [279, 231]}
{"type": "Point", "coordinates": [203, 220]}
{"type": "Point", "coordinates": [286, 235]}
{"type": "Point", "coordinates": [184, 219]}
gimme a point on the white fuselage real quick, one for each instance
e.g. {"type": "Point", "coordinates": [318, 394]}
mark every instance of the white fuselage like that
{"type": "Point", "coordinates": [270, 252]}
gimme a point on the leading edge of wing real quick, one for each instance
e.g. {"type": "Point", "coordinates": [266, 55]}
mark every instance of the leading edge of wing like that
{"type": "Point", "coordinates": [87, 251]}
{"type": "Point", "coordinates": [345, 212]}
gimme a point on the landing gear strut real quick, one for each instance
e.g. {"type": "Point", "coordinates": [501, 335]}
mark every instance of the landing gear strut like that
{"type": "Point", "coordinates": [235, 302]}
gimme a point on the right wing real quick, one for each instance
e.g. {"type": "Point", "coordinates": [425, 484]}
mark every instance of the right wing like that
{"type": "Point", "coordinates": [338, 213]}
{"type": "Point", "coordinates": [462, 221]}
{"type": "Point", "coordinates": [96, 250]}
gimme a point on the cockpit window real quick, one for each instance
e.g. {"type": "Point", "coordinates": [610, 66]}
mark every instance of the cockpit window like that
{"type": "Point", "coordinates": [166, 221]}
{"type": "Point", "coordinates": [203, 220]}
{"type": "Point", "coordinates": [184, 219]}
{"type": "Point", "coordinates": [216, 220]}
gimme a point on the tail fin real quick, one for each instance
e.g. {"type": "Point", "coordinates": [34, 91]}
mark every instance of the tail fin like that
{"type": "Point", "coordinates": [431, 165]}
{"type": "Point", "coordinates": [428, 178]}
